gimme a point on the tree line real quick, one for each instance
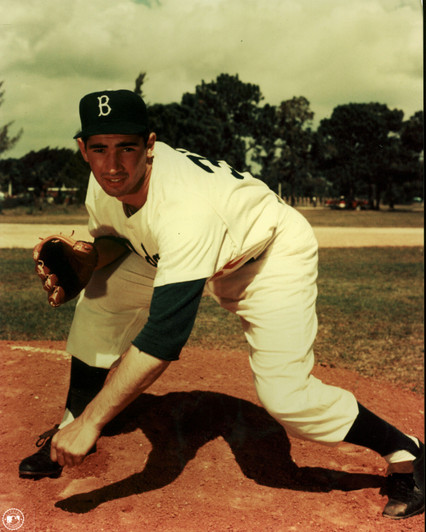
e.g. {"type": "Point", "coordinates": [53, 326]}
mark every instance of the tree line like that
{"type": "Point", "coordinates": [363, 150]}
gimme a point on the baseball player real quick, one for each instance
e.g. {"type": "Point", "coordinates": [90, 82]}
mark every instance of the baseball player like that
{"type": "Point", "coordinates": [168, 226]}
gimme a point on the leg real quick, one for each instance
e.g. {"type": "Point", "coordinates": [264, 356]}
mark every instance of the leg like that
{"type": "Point", "coordinates": [109, 314]}
{"type": "Point", "coordinates": [405, 456]}
{"type": "Point", "coordinates": [85, 383]}
{"type": "Point", "coordinates": [275, 298]}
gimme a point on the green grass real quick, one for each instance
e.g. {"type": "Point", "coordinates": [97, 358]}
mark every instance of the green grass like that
{"type": "Point", "coordinates": [399, 217]}
{"type": "Point", "coordinates": [51, 214]}
{"type": "Point", "coordinates": [24, 311]}
{"type": "Point", "coordinates": [370, 309]}
{"type": "Point", "coordinates": [371, 312]}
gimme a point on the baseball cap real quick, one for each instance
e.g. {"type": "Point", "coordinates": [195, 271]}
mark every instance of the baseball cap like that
{"type": "Point", "coordinates": [120, 112]}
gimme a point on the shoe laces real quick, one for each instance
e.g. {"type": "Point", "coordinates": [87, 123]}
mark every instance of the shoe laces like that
{"type": "Point", "coordinates": [43, 438]}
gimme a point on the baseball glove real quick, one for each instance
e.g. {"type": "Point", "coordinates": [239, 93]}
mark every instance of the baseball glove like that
{"type": "Point", "coordinates": [65, 266]}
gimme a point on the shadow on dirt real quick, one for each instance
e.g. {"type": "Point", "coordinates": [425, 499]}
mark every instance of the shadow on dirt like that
{"type": "Point", "coordinates": [178, 424]}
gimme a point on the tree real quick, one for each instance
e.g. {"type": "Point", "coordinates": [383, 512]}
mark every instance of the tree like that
{"type": "Point", "coordinates": [283, 141]}
{"type": "Point", "coordinates": [169, 121]}
{"type": "Point", "coordinates": [6, 141]}
{"type": "Point", "coordinates": [217, 120]}
{"type": "Point", "coordinates": [231, 107]}
{"type": "Point", "coordinates": [412, 133]}
{"type": "Point", "coordinates": [75, 172]}
{"type": "Point", "coordinates": [40, 170]}
{"type": "Point", "coordinates": [360, 144]}
{"type": "Point", "coordinates": [406, 170]}
{"type": "Point", "coordinates": [140, 80]}
{"type": "Point", "coordinates": [11, 173]}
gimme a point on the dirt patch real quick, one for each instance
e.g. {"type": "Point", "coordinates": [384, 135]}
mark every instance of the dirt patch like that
{"type": "Point", "coordinates": [196, 453]}
{"type": "Point", "coordinates": [27, 235]}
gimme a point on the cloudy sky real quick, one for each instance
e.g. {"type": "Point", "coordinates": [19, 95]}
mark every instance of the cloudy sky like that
{"type": "Point", "coordinates": [330, 51]}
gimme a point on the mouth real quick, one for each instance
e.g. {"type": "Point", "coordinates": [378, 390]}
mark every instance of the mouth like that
{"type": "Point", "coordinates": [114, 180]}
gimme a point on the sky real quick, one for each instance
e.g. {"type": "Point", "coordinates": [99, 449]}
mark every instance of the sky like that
{"type": "Point", "coordinates": [332, 52]}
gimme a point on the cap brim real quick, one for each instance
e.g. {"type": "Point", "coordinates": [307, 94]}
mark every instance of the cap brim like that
{"type": "Point", "coordinates": [112, 128]}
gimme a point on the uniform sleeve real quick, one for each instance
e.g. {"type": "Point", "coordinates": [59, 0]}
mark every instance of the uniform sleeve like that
{"type": "Point", "coordinates": [171, 318]}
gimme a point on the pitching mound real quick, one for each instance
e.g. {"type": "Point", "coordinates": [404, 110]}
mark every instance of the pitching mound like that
{"type": "Point", "coordinates": [196, 453]}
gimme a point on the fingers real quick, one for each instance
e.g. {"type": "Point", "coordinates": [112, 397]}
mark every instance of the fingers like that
{"type": "Point", "coordinates": [50, 284]}
{"type": "Point", "coordinates": [56, 297]}
{"type": "Point", "coordinates": [62, 457]}
{"type": "Point", "coordinates": [41, 270]}
{"type": "Point", "coordinates": [53, 453]}
{"type": "Point", "coordinates": [66, 459]}
{"type": "Point", "coordinates": [56, 293]}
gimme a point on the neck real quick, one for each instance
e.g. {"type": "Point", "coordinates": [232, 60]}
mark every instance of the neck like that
{"type": "Point", "coordinates": [135, 201]}
{"type": "Point", "coordinates": [129, 210]}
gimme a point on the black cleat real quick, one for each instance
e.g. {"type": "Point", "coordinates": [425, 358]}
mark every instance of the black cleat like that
{"type": "Point", "coordinates": [39, 464]}
{"type": "Point", "coordinates": [406, 491]}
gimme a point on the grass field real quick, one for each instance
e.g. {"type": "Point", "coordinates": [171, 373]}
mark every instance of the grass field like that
{"type": "Point", "coordinates": [370, 309]}
{"type": "Point", "coordinates": [410, 216]}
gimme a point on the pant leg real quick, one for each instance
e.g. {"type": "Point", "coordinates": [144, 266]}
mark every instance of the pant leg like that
{"type": "Point", "coordinates": [275, 298]}
{"type": "Point", "coordinates": [111, 311]}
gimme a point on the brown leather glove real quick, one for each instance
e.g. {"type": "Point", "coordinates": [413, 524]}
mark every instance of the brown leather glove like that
{"type": "Point", "coordinates": [65, 266]}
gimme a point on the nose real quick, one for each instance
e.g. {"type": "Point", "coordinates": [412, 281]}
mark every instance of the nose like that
{"type": "Point", "coordinates": [113, 163]}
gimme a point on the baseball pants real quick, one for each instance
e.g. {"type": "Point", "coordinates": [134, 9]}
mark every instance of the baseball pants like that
{"type": "Point", "coordinates": [274, 296]}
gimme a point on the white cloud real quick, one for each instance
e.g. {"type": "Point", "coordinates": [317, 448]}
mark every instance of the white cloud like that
{"type": "Point", "coordinates": [329, 51]}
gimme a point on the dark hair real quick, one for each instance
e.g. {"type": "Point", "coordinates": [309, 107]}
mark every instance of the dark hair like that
{"type": "Point", "coordinates": [145, 137]}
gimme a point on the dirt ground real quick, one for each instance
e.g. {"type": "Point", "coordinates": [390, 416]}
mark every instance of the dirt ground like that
{"type": "Point", "coordinates": [196, 453]}
{"type": "Point", "coordinates": [26, 235]}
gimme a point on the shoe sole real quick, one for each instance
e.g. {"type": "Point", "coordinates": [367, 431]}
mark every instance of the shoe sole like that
{"type": "Point", "coordinates": [399, 517]}
{"type": "Point", "coordinates": [37, 476]}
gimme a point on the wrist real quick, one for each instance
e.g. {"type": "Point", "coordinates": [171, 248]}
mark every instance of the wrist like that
{"type": "Point", "coordinates": [92, 418]}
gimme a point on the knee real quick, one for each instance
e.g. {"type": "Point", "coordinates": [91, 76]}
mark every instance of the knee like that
{"type": "Point", "coordinates": [280, 401]}
{"type": "Point", "coordinates": [315, 411]}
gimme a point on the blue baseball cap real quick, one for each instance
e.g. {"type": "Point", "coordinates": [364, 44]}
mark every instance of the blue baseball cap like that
{"type": "Point", "coordinates": [120, 112]}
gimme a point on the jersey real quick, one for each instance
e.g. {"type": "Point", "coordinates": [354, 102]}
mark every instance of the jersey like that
{"type": "Point", "coordinates": [201, 220]}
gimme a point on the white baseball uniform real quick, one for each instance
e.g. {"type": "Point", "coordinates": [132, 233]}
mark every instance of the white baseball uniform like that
{"type": "Point", "coordinates": [205, 224]}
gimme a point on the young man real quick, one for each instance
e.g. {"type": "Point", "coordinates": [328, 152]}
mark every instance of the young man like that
{"type": "Point", "coordinates": [194, 225]}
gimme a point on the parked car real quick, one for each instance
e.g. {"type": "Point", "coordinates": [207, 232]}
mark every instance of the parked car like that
{"type": "Point", "coordinates": [346, 203]}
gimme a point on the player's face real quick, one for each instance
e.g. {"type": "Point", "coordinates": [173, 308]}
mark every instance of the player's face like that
{"type": "Point", "coordinates": [121, 164]}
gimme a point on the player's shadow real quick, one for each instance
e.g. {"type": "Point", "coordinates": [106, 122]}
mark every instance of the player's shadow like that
{"type": "Point", "coordinates": [179, 424]}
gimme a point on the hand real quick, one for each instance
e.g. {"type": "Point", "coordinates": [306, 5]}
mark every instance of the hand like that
{"type": "Point", "coordinates": [65, 266]}
{"type": "Point", "coordinates": [72, 443]}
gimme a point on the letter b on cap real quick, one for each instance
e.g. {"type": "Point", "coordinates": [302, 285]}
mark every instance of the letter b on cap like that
{"type": "Point", "coordinates": [104, 108]}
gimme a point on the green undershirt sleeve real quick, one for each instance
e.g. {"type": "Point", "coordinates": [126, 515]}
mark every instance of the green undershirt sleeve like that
{"type": "Point", "coordinates": [171, 318]}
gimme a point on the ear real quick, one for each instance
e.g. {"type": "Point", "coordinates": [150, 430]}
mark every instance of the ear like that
{"type": "Point", "coordinates": [82, 147]}
{"type": "Point", "coordinates": [150, 144]}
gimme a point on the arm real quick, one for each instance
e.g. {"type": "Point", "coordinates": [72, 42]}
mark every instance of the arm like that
{"type": "Point", "coordinates": [109, 250]}
{"type": "Point", "coordinates": [135, 373]}
{"type": "Point", "coordinates": [172, 314]}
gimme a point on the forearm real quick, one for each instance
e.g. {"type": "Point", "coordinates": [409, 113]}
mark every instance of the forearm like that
{"type": "Point", "coordinates": [135, 373]}
{"type": "Point", "coordinates": [108, 250]}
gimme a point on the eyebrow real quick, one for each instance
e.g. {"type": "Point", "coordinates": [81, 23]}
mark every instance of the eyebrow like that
{"type": "Point", "coordinates": [123, 144]}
